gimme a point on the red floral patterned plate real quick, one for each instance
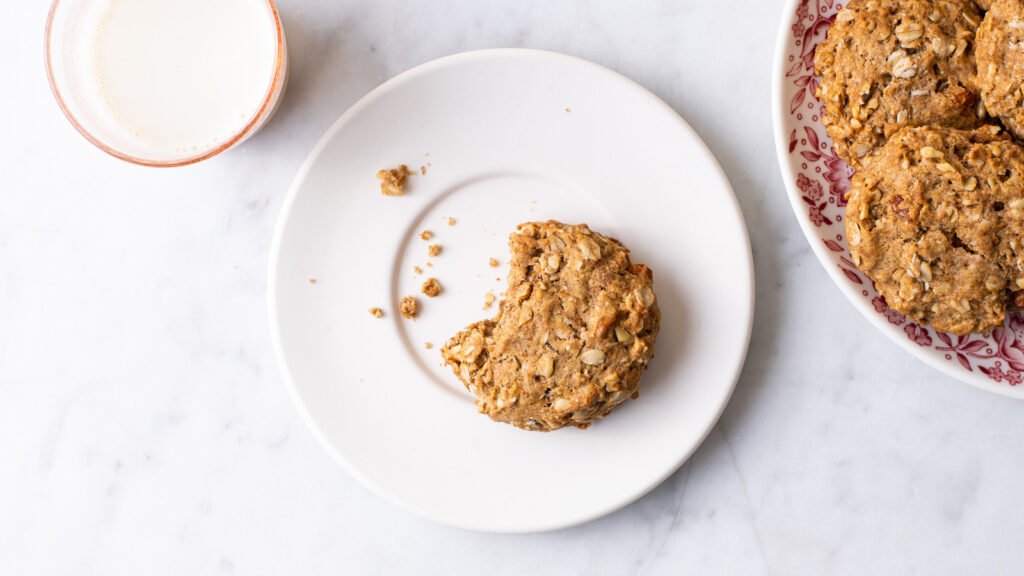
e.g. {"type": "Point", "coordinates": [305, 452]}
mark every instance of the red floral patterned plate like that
{"type": "Point", "coordinates": [816, 181]}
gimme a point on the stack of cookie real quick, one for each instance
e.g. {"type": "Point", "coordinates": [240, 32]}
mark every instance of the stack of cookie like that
{"type": "Point", "coordinates": [924, 99]}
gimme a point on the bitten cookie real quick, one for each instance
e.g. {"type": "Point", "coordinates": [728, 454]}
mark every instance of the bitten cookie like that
{"type": "Point", "coordinates": [1000, 55]}
{"type": "Point", "coordinates": [937, 221]}
{"type": "Point", "coordinates": [889, 64]}
{"type": "Point", "coordinates": [572, 337]}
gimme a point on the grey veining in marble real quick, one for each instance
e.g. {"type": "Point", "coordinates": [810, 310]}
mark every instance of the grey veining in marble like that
{"type": "Point", "coordinates": [144, 428]}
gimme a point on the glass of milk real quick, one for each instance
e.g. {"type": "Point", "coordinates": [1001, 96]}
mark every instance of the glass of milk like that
{"type": "Point", "coordinates": [166, 82]}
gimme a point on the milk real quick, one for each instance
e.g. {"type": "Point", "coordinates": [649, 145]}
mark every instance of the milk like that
{"type": "Point", "coordinates": [176, 78]}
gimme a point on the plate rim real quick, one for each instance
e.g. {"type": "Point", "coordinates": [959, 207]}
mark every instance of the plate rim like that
{"type": "Point", "coordinates": [812, 237]}
{"type": "Point", "coordinates": [738, 361]}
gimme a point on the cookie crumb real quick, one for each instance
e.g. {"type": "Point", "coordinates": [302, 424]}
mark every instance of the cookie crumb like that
{"type": "Point", "coordinates": [417, 270]}
{"type": "Point", "coordinates": [312, 280]}
{"type": "Point", "coordinates": [434, 250]}
{"type": "Point", "coordinates": [493, 263]}
{"type": "Point", "coordinates": [376, 312]}
{"type": "Point", "coordinates": [392, 181]}
{"type": "Point", "coordinates": [430, 264]}
{"type": "Point", "coordinates": [568, 109]}
{"type": "Point", "coordinates": [426, 235]}
{"type": "Point", "coordinates": [428, 345]}
{"type": "Point", "coordinates": [423, 170]}
{"type": "Point", "coordinates": [489, 299]}
{"type": "Point", "coordinates": [432, 287]}
{"type": "Point", "coordinates": [409, 307]}
{"type": "Point", "coordinates": [451, 221]}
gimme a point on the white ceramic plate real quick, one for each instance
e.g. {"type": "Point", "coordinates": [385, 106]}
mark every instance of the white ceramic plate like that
{"type": "Point", "coordinates": [816, 180]}
{"type": "Point", "coordinates": [506, 136]}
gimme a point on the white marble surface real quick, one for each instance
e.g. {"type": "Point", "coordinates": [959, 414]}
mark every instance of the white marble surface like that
{"type": "Point", "coordinates": [144, 428]}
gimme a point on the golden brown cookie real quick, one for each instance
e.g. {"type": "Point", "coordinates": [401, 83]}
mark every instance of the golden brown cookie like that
{"type": "Point", "coordinates": [1000, 54]}
{"type": "Point", "coordinates": [888, 64]}
{"type": "Point", "coordinates": [937, 221]}
{"type": "Point", "coordinates": [572, 337]}
{"type": "Point", "coordinates": [983, 4]}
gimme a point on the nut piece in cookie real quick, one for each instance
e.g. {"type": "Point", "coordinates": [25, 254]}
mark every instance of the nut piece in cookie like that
{"type": "Point", "coordinates": [1000, 55]}
{"type": "Point", "coordinates": [572, 337]}
{"type": "Point", "coordinates": [392, 181]}
{"type": "Point", "coordinates": [889, 64]}
{"type": "Point", "coordinates": [937, 221]}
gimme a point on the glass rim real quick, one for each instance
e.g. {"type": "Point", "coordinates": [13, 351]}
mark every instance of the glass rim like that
{"type": "Point", "coordinates": [250, 126]}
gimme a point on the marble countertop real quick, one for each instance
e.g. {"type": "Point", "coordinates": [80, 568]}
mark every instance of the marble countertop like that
{"type": "Point", "coordinates": [144, 427]}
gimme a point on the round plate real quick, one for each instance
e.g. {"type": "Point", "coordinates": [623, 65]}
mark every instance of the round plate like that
{"type": "Point", "coordinates": [504, 137]}
{"type": "Point", "coordinates": [817, 180]}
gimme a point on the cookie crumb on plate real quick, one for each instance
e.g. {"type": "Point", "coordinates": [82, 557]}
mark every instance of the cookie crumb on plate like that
{"type": "Point", "coordinates": [409, 307]}
{"type": "Point", "coordinates": [376, 312]}
{"type": "Point", "coordinates": [392, 181]}
{"type": "Point", "coordinates": [434, 250]}
{"type": "Point", "coordinates": [426, 235]}
{"type": "Point", "coordinates": [432, 287]}
{"type": "Point", "coordinates": [489, 300]}
{"type": "Point", "coordinates": [493, 263]}
{"type": "Point", "coordinates": [451, 221]}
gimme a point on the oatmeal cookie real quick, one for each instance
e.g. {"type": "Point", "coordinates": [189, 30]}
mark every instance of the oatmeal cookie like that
{"type": "Point", "coordinates": [572, 337]}
{"type": "Point", "coordinates": [888, 64]}
{"type": "Point", "coordinates": [937, 221]}
{"type": "Point", "coordinates": [1000, 54]}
